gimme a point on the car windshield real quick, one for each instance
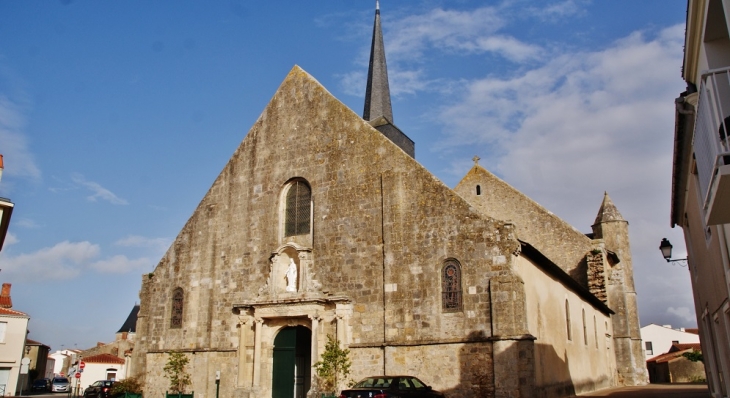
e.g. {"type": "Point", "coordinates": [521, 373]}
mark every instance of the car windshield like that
{"type": "Point", "coordinates": [375, 382]}
{"type": "Point", "coordinates": [60, 380]}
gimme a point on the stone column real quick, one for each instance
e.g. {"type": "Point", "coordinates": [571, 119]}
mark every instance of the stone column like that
{"type": "Point", "coordinates": [244, 368]}
{"type": "Point", "coordinates": [257, 352]}
{"type": "Point", "coordinates": [315, 338]}
{"type": "Point", "coordinates": [340, 330]}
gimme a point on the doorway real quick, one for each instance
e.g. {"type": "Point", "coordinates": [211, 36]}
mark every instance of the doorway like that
{"type": "Point", "coordinates": [292, 362]}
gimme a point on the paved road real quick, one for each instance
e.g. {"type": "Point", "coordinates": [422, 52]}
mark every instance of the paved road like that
{"type": "Point", "coordinates": [655, 391]}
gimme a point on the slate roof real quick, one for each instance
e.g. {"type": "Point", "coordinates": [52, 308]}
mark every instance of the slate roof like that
{"type": "Point", "coordinates": [377, 93]}
{"type": "Point", "coordinates": [130, 325]}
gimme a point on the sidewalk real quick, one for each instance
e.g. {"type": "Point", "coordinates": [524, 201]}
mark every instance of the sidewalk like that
{"type": "Point", "coordinates": [655, 390]}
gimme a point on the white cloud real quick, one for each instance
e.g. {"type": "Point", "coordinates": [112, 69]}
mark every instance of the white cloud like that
{"type": "Point", "coordinates": [473, 31]}
{"type": "Point", "coordinates": [581, 124]}
{"type": "Point", "coordinates": [556, 12]}
{"type": "Point", "coordinates": [19, 161]}
{"type": "Point", "coordinates": [62, 261]}
{"type": "Point", "coordinates": [120, 264]}
{"type": "Point", "coordinates": [10, 239]}
{"type": "Point", "coordinates": [25, 223]}
{"type": "Point", "coordinates": [99, 192]}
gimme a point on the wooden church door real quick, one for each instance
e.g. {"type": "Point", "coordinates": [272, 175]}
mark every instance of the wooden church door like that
{"type": "Point", "coordinates": [292, 359]}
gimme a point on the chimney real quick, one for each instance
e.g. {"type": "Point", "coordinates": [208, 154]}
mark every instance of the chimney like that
{"type": "Point", "coordinates": [1, 167]}
{"type": "Point", "coordinates": [5, 300]}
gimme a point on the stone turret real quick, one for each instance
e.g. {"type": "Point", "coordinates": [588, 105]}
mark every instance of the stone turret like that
{"type": "Point", "coordinates": [613, 229]}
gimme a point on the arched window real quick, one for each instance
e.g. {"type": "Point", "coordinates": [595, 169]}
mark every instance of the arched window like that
{"type": "Point", "coordinates": [298, 209]}
{"type": "Point", "coordinates": [176, 315]}
{"type": "Point", "coordinates": [567, 319]}
{"type": "Point", "coordinates": [585, 329]}
{"type": "Point", "coordinates": [451, 286]}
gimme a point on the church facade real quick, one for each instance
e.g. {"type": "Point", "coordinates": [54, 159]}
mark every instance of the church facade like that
{"type": "Point", "coordinates": [323, 224]}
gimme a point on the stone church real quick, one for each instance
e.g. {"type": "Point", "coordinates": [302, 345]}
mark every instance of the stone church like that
{"type": "Point", "coordinates": [323, 223]}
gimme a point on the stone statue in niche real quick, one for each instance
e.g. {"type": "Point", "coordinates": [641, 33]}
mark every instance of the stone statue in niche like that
{"type": "Point", "coordinates": [291, 276]}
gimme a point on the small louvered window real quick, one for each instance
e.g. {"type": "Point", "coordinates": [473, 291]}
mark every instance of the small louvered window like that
{"type": "Point", "coordinates": [298, 205]}
{"type": "Point", "coordinates": [451, 287]}
{"type": "Point", "coordinates": [177, 309]}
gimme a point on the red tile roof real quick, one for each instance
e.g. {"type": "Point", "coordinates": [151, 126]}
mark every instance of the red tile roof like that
{"type": "Point", "coordinates": [8, 311]}
{"type": "Point", "coordinates": [103, 358]}
{"type": "Point", "coordinates": [686, 346]}
{"type": "Point", "coordinates": [675, 352]}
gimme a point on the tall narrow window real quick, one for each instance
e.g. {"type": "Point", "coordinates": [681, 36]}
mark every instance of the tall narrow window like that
{"type": "Point", "coordinates": [585, 328]}
{"type": "Point", "coordinates": [595, 330]}
{"type": "Point", "coordinates": [479, 190]}
{"type": "Point", "coordinates": [567, 319]}
{"type": "Point", "coordinates": [451, 286]}
{"type": "Point", "coordinates": [177, 309]}
{"type": "Point", "coordinates": [298, 208]}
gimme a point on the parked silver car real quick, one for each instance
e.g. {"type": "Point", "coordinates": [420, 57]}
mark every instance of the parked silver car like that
{"type": "Point", "coordinates": [59, 384]}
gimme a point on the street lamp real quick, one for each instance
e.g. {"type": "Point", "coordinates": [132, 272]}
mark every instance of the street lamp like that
{"type": "Point", "coordinates": [666, 249]}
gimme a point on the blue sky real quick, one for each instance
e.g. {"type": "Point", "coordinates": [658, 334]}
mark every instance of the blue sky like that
{"type": "Point", "coordinates": [116, 117]}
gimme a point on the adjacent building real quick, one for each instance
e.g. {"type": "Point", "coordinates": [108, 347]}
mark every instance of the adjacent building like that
{"type": "Point", "coordinates": [6, 210]}
{"type": "Point", "coordinates": [658, 339]}
{"type": "Point", "coordinates": [37, 352]}
{"type": "Point", "coordinates": [13, 330]}
{"type": "Point", "coordinates": [322, 224]}
{"type": "Point", "coordinates": [701, 179]}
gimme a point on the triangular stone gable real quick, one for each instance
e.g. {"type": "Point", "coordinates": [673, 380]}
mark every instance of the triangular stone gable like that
{"type": "Point", "coordinates": [375, 210]}
{"type": "Point", "coordinates": [551, 235]}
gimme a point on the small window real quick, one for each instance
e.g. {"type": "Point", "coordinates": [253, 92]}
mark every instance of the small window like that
{"type": "Point", "coordinates": [177, 309]}
{"type": "Point", "coordinates": [479, 190]}
{"type": "Point", "coordinates": [595, 330]}
{"type": "Point", "coordinates": [585, 329]}
{"type": "Point", "coordinates": [649, 348]}
{"type": "Point", "coordinates": [567, 319]}
{"type": "Point", "coordinates": [451, 286]}
{"type": "Point", "coordinates": [298, 209]}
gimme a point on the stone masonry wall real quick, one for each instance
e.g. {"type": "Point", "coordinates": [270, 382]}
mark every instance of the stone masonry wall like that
{"type": "Point", "coordinates": [382, 227]}
{"type": "Point", "coordinates": [545, 231]}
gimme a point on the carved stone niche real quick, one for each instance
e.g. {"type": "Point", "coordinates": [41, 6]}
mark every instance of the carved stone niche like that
{"type": "Point", "coordinates": [280, 260]}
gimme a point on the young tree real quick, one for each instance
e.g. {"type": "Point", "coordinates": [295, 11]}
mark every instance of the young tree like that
{"type": "Point", "coordinates": [333, 366]}
{"type": "Point", "coordinates": [175, 371]}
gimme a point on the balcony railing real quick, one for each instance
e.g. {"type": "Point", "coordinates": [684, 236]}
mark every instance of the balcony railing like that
{"type": "Point", "coordinates": [711, 144]}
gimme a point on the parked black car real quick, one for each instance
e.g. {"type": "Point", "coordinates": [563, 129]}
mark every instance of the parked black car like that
{"type": "Point", "coordinates": [391, 386]}
{"type": "Point", "coordinates": [41, 385]}
{"type": "Point", "coordinates": [100, 389]}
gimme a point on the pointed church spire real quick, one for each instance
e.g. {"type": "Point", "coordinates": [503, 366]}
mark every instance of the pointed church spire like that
{"type": "Point", "coordinates": [377, 94]}
{"type": "Point", "coordinates": [608, 211]}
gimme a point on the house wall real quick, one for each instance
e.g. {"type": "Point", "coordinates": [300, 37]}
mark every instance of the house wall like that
{"type": "Point", "coordinates": [682, 370]}
{"type": "Point", "coordinates": [12, 350]}
{"type": "Point", "coordinates": [382, 228]}
{"type": "Point", "coordinates": [708, 266]}
{"type": "Point", "coordinates": [565, 366]}
{"type": "Point", "coordinates": [662, 337]}
{"type": "Point", "coordinates": [98, 371]}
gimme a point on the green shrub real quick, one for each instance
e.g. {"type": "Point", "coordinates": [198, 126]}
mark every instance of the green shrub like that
{"type": "Point", "coordinates": [131, 384]}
